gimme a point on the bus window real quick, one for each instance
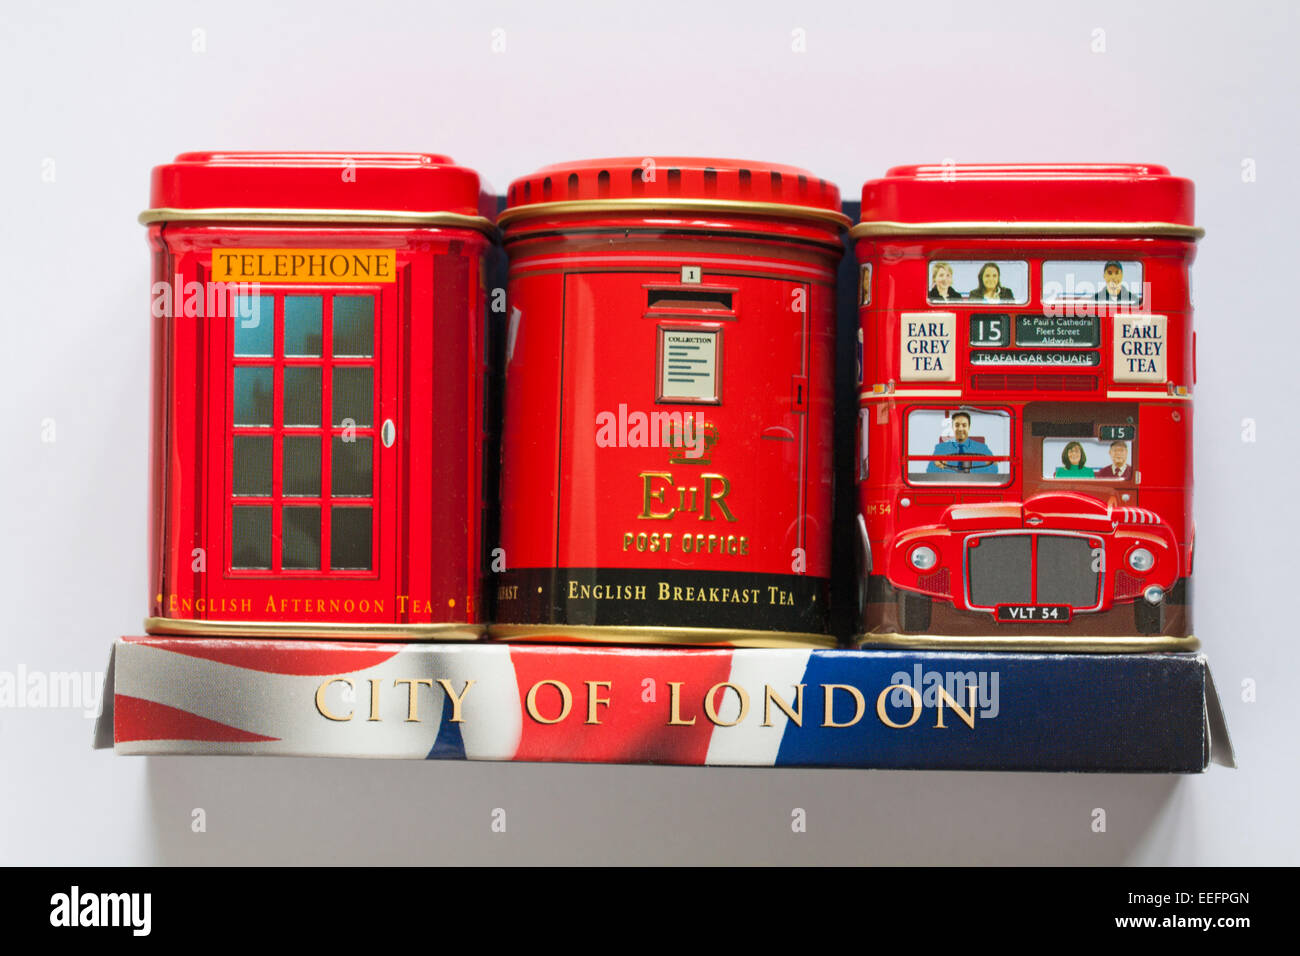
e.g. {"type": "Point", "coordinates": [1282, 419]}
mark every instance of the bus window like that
{"type": "Point", "coordinates": [1112, 282]}
{"type": "Point", "coordinates": [958, 446]}
{"type": "Point", "coordinates": [1092, 459]}
{"type": "Point", "coordinates": [977, 282]}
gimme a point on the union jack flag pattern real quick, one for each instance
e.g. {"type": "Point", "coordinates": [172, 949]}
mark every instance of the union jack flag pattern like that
{"type": "Point", "coordinates": [742, 707]}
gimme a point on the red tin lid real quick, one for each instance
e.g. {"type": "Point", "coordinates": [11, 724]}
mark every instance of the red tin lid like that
{"type": "Point", "coordinates": [356, 187]}
{"type": "Point", "coordinates": [1027, 198]}
{"type": "Point", "coordinates": [674, 182]}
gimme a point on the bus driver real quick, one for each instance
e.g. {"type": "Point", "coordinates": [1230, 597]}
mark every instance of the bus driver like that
{"type": "Point", "coordinates": [962, 444]}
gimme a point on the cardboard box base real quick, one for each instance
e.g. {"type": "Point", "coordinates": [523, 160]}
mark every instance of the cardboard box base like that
{"type": "Point", "coordinates": [935, 710]}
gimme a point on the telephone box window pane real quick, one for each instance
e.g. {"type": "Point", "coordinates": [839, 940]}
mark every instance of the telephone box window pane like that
{"type": "Point", "coordinates": [254, 321]}
{"type": "Point", "coordinates": [301, 397]}
{"type": "Point", "coordinates": [251, 547]}
{"type": "Point", "coordinates": [354, 325]}
{"type": "Point", "coordinates": [354, 396]}
{"type": "Point", "coordinates": [302, 324]}
{"type": "Point", "coordinates": [252, 396]}
{"type": "Point", "coordinates": [253, 465]}
{"type": "Point", "coordinates": [300, 540]}
{"type": "Point", "coordinates": [301, 466]}
{"type": "Point", "coordinates": [350, 469]}
{"type": "Point", "coordinates": [350, 539]}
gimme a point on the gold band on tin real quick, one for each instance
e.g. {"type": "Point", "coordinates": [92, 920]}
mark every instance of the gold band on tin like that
{"type": "Point", "coordinates": [866, 230]}
{"type": "Point", "coordinates": [297, 629]}
{"type": "Point", "coordinates": [1052, 645]}
{"type": "Point", "coordinates": [360, 217]}
{"type": "Point", "coordinates": [732, 206]}
{"type": "Point", "coordinates": [694, 636]}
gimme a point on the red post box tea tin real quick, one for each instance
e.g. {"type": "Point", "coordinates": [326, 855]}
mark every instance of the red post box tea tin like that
{"type": "Point", "coordinates": [318, 395]}
{"type": "Point", "coordinates": [666, 448]}
{"type": "Point", "coordinates": [1025, 424]}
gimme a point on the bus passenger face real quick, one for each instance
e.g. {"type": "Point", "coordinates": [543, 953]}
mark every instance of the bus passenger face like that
{"type": "Point", "coordinates": [943, 280]}
{"type": "Point", "coordinates": [960, 428]}
{"type": "Point", "coordinates": [1118, 455]}
{"type": "Point", "coordinates": [1114, 279]}
{"type": "Point", "coordinates": [990, 279]}
{"type": "Point", "coordinates": [1074, 454]}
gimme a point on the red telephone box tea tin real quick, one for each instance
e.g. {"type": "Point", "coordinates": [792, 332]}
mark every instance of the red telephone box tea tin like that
{"type": "Point", "coordinates": [1025, 424]}
{"type": "Point", "coordinates": [318, 395]}
{"type": "Point", "coordinates": [666, 447]}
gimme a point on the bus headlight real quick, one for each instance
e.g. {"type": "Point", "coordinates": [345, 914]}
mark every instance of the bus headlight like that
{"type": "Point", "coordinates": [1141, 560]}
{"type": "Point", "coordinates": [1154, 594]}
{"type": "Point", "coordinates": [923, 558]}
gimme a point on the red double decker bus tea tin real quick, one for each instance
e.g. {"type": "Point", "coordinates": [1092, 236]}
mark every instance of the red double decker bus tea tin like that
{"type": "Point", "coordinates": [666, 447]}
{"type": "Point", "coordinates": [318, 399]}
{"type": "Point", "coordinates": [1025, 426]}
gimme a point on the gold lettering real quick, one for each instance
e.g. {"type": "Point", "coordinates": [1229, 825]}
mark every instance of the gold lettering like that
{"type": "Point", "coordinates": [566, 701]}
{"type": "Point", "coordinates": [967, 716]}
{"type": "Point", "coordinates": [320, 697]}
{"type": "Point", "coordinates": [710, 498]}
{"type": "Point", "coordinates": [770, 696]}
{"type": "Point", "coordinates": [674, 706]}
{"type": "Point", "coordinates": [456, 701]}
{"type": "Point", "coordinates": [859, 704]}
{"type": "Point", "coordinates": [412, 694]}
{"type": "Point", "coordinates": [593, 699]}
{"type": "Point", "coordinates": [648, 495]}
{"type": "Point", "coordinates": [712, 713]}
{"type": "Point", "coordinates": [374, 698]}
{"type": "Point", "coordinates": [916, 705]}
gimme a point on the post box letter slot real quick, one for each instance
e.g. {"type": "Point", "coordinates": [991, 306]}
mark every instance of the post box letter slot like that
{"type": "Point", "coordinates": [694, 299]}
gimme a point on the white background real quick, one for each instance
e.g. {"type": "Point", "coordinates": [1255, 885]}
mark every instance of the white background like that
{"type": "Point", "coordinates": [108, 91]}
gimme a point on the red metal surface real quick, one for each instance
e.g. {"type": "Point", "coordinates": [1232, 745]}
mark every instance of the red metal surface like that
{"type": "Point", "coordinates": [1032, 192]}
{"type": "Point", "coordinates": [425, 372]}
{"type": "Point", "coordinates": [592, 290]}
{"type": "Point", "coordinates": [403, 182]}
{"type": "Point", "coordinates": [1151, 507]}
{"type": "Point", "coordinates": [674, 177]}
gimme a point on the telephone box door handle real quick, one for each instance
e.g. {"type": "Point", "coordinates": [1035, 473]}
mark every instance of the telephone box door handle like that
{"type": "Point", "coordinates": [388, 434]}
